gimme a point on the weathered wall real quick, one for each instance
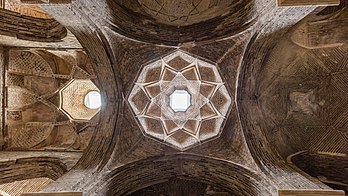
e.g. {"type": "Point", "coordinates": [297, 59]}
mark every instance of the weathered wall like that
{"type": "Point", "coordinates": [255, 57]}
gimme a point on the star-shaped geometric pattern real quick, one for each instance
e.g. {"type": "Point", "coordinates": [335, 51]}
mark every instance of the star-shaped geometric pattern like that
{"type": "Point", "coordinates": [210, 101]}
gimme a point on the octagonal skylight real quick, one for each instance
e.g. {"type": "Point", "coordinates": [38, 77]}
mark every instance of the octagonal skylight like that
{"type": "Point", "coordinates": [180, 100]}
{"type": "Point", "coordinates": [93, 100]}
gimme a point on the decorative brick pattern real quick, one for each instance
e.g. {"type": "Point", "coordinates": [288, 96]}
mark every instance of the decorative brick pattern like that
{"type": "Point", "coordinates": [209, 100]}
{"type": "Point", "coordinates": [72, 99]}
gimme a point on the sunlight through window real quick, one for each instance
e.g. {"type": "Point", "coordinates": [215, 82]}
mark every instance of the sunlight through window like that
{"type": "Point", "coordinates": [93, 100]}
{"type": "Point", "coordinates": [180, 100]}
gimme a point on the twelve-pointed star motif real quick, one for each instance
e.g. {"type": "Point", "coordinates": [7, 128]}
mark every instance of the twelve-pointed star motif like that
{"type": "Point", "coordinates": [210, 101]}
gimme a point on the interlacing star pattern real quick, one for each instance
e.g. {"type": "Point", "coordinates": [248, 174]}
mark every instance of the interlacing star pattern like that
{"type": "Point", "coordinates": [210, 101]}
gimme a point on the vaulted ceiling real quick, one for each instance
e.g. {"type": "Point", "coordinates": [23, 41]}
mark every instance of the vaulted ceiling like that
{"type": "Point", "coordinates": [267, 84]}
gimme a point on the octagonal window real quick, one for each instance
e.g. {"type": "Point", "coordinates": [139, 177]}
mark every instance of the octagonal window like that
{"type": "Point", "coordinates": [93, 100]}
{"type": "Point", "coordinates": [180, 100]}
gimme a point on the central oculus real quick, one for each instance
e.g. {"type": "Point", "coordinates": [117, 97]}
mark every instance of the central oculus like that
{"type": "Point", "coordinates": [93, 100]}
{"type": "Point", "coordinates": [180, 100]}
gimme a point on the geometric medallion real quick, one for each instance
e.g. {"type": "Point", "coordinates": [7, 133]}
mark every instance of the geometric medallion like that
{"type": "Point", "coordinates": [80, 100]}
{"type": "Point", "coordinates": [180, 100]}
